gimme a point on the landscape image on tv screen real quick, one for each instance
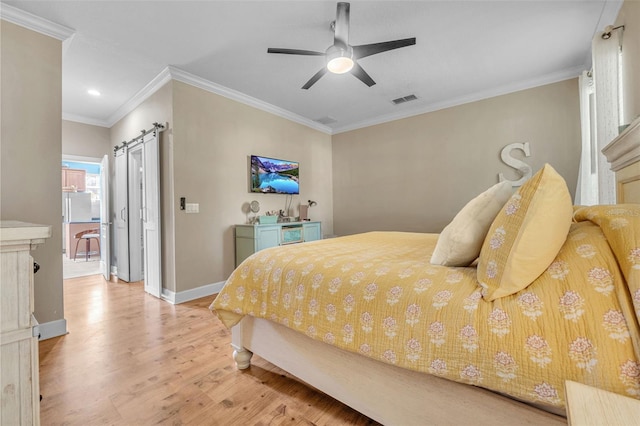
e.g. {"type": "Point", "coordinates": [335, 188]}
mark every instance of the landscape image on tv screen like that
{"type": "Point", "coordinates": [273, 176]}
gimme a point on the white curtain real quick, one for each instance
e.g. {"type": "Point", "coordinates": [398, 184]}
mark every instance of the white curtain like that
{"type": "Point", "coordinates": [606, 57]}
{"type": "Point", "coordinates": [587, 188]}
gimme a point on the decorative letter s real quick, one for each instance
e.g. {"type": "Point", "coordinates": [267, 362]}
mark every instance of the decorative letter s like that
{"type": "Point", "coordinates": [524, 169]}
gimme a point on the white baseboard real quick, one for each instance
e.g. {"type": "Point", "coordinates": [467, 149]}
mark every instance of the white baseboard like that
{"type": "Point", "coordinates": [194, 293]}
{"type": "Point", "coordinates": [48, 330]}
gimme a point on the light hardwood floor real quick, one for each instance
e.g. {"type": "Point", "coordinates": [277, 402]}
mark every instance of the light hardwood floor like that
{"type": "Point", "coordinates": [132, 359]}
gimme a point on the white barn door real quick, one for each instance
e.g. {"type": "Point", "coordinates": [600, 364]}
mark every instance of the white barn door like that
{"type": "Point", "coordinates": [137, 212]}
{"type": "Point", "coordinates": [136, 195]}
{"type": "Point", "coordinates": [151, 214]}
{"type": "Point", "coordinates": [121, 214]}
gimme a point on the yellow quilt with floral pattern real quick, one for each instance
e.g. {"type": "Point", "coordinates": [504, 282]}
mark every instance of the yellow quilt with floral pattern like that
{"type": "Point", "coordinates": [377, 294]}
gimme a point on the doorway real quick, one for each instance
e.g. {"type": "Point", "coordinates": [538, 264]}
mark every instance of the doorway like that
{"type": "Point", "coordinates": [82, 198]}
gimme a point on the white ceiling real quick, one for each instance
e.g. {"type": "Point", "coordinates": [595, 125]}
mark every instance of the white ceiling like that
{"type": "Point", "coordinates": [465, 50]}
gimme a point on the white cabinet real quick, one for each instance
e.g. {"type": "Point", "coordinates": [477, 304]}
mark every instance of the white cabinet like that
{"type": "Point", "coordinates": [253, 238]}
{"type": "Point", "coordinates": [18, 345]}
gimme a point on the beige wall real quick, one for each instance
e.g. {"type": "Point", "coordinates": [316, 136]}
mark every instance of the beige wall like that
{"type": "Point", "coordinates": [629, 16]}
{"type": "Point", "coordinates": [85, 140]}
{"type": "Point", "coordinates": [415, 174]}
{"type": "Point", "coordinates": [30, 185]}
{"type": "Point", "coordinates": [213, 138]}
{"type": "Point", "coordinates": [204, 158]}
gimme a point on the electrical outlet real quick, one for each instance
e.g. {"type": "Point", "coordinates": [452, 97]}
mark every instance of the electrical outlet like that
{"type": "Point", "coordinates": [192, 208]}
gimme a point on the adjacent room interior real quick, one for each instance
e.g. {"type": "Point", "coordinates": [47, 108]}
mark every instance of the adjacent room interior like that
{"type": "Point", "coordinates": [81, 202]}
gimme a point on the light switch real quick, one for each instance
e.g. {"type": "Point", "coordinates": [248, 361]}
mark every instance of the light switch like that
{"type": "Point", "coordinates": [192, 208]}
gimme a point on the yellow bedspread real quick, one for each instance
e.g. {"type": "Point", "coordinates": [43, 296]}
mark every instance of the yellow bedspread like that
{"type": "Point", "coordinates": [376, 294]}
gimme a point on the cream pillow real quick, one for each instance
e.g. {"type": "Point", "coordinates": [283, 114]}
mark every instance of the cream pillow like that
{"type": "Point", "coordinates": [526, 235]}
{"type": "Point", "coordinates": [460, 241]}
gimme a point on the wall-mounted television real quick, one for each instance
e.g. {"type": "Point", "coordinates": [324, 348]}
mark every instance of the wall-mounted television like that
{"type": "Point", "coordinates": [274, 176]}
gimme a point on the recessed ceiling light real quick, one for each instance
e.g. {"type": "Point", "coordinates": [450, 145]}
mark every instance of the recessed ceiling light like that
{"type": "Point", "coordinates": [93, 92]}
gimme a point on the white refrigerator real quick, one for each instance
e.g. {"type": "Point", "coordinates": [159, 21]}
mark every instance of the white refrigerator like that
{"type": "Point", "coordinates": [76, 207]}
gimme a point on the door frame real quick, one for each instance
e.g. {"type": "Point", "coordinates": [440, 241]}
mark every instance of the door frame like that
{"type": "Point", "coordinates": [104, 198]}
{"type": "Point", "coordinates": [105, 219]}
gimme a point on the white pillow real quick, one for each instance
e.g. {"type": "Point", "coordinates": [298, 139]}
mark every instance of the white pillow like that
{"type": "Point", "coordinates": [460, 242]}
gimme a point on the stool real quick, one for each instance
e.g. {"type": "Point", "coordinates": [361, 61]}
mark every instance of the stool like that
{"type": "Point", "coordinates": [87, 236]}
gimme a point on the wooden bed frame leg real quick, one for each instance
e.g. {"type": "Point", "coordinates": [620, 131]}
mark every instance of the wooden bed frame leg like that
{"type": "Point", "coordinates": [242, 357]}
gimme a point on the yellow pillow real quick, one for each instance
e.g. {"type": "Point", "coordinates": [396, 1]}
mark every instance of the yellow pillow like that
{"type": "Point", "coordinates": [460, 241]}
{"type": "Point", "coordinates": [526, 235]}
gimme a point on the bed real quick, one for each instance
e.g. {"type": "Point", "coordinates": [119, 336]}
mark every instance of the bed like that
{"type": "Point", "coordinates": [369, 320]}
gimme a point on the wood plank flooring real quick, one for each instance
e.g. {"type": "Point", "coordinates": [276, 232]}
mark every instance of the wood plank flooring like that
{"type": "Point", "coordinates": [132, 359]}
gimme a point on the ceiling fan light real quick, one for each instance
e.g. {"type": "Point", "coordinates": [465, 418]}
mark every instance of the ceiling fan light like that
{"type": "Point", "coordinates": [339, 59]}
{"type": "Point", "coordinates": [340, 65]}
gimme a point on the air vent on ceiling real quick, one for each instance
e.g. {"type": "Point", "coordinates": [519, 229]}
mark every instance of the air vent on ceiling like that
{"type": "Point", "coordinates": [326, 120]}
{"type": "Point", "coordinates": [404, 99]}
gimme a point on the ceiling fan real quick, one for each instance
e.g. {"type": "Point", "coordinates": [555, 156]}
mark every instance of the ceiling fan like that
{"type": "Point", "coordinates": [341, 56]}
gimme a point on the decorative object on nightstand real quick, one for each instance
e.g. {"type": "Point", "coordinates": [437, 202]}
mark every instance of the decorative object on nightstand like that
{"type": "Point", "coordinates": [304, 210]}
{"type": "Point", "coordinates": [254, 207]}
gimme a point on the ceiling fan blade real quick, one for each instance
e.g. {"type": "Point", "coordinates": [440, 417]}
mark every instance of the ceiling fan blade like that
{"type": "Point", "coordinates": [294, 51]}
{"type": "Point", "coordinates": [362, 75]}
{"type": "Point", "coordinates": [341, 28]}
{"type": "Point", "coordinates": [315, 78]}
{"type": "Point", "coordinates": [365, 50]}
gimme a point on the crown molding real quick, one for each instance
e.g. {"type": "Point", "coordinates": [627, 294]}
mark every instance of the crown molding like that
{"type": "Point", "coordinates": [201, 83]}
{"type": "Point", "coordinates": [35, 23]}
{"type": "Point", "coordinates": [474, 97]}
{"type": "Point", "coordinates": [153, 86]}
{"type": "Point", "coordinates": [174, 73]}
{"type": "Point", "coordinates": [609, 14]}
{"type": "Point", "coordinates": [85, 120]}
